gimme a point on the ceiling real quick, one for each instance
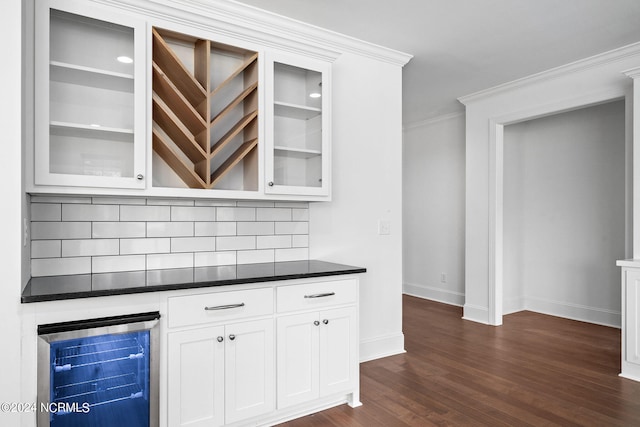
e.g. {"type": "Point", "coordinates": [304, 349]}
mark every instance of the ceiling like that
{"type": "Point", "coordinates": [463, 46]}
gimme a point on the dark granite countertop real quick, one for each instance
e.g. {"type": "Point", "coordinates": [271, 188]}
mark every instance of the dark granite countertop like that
{"type": "Point", "coordinates": [53, 288]}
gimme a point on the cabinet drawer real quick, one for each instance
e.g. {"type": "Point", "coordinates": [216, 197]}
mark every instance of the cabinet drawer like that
{"type": "Point", "coordinates": [217, 307]}
{"type": "Point", "coordinates": [316, 295]}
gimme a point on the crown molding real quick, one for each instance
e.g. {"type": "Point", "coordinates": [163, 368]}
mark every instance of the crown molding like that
{"type": "Point", "coordinates": [433, 120]}
{"type": "Point", "coordinates": [611, 56]}
{"type": "Point", "coordinates": [634, 73]}
{"type": "Point", "coordinates": [258, 26]}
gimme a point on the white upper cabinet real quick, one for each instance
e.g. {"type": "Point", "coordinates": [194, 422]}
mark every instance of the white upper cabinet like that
{"type": "Point", "coordinates": [89, 97]}
{"type": "Point", "coordinates": [130, 102]}
{"type": "Point", "coordinates": [298, 133]}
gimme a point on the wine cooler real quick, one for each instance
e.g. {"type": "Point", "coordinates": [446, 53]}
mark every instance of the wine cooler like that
{"type": "Point", "coordinates": [99, 372]}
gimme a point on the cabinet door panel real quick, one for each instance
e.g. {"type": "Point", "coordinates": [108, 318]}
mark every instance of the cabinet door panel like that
{"type": "Point", "coordinates": [631, 326]}
{"type": "Point", "coordinates": [196, 378]}
{"type": "Point", "coordinates": [297, 126]}
{"type": "Point", "coordinates": [250, 375]}
{"type": "Point", "coordinates": [90, 96]}
{"type": "Point", "coordinates": [297, 349]}
{"type": "Point", "coordinates": [338, 356]}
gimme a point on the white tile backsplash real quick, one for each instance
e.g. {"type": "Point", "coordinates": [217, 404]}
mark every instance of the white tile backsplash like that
{"type": "Point", "coordinates": [109, 230]}
{"type": "Point", "coordinates": [210, 259]}
{"type": "Point", "coordinates": [60, 266]}
{"type": "Point", "coordinates": [78, 212]}
{"type": "Point", "coordinates": [106, 264]}
{"type": "Point", "coordinates": [46, 212]}
{"type": "Point", "coordinates": [294, 254]}
{"type": "Point", "coordinates": [60, 230]}
{"type": "Point", "coordinates": [145, 246]}
{"type": "Point", "coordinates": [81, 235]}
{"type": "Point", "coordinates": [90, 247]}
{"type": "Point", "coordinates": [274, 214]}
{"type": "Point", "coordinates": [159, 262]}
{"type": "Point", "coordinates": [254, 228]}
{"type": "Point", "coordinates": [252, 257]}
{"type": "Point", "coordinates": [46, 249]}
{"type": "Point", "coordinates": [235, 243]}
{"type": "Point", "coordinates": [273, 242]}
{"type": "Point", "coordinates": [293, 227]}
{"type": "Point", "coordinates": [169, 229]}
{"type": "Point", "coordinates": [215, 228]}
{"type": "Point", "coordinates": [193, 213]}
{"type": "Point", "coordinates": [193, 244]}
{"type": "Point", "coordinates": [236, 214]}
{"type": "Point", "coordinates": [145, 213]}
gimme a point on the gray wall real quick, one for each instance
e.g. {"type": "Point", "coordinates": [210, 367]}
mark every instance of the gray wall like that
{"type": "Point", "coordinates": [564, 207]}
{"type": "Point", "coordinates": [433, 209]}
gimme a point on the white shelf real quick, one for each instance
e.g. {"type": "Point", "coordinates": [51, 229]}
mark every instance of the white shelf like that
{"type": "Point", "coordinates": [298, 153]}
{"type": "Point", "coordinates": [296, 111]}
{"type": "Point", "coordinates": [88, 131]}
{"type": "Point", "coordinates": [92, 77]}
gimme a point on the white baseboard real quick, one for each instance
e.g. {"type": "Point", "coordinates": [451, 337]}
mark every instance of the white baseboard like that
{"type": "Point", "coordinates": [379, 347]}
{"type": "Point", "coordinates": [476, 313]}
{"type": "Point", "coordinates": [513, 305]}
{"type": "Point", "coordinates": [435, 294]}
{"type": "Point", "coordinates": [582, 313]}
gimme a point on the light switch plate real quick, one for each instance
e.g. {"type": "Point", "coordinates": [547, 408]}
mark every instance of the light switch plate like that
{"type": "Point", "coordinates": [384, 227]}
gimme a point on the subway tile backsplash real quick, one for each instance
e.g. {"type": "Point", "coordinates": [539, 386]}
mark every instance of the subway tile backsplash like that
{"type": "Point", "coordinates": [80, 235]}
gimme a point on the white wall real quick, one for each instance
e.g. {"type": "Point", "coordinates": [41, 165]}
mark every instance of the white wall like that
{"type": "Point", "coordinates": [433, 209]}
{"type": "Point", "coordinates": [564, 213]}
{"type": "Point", "coordinates": [587, 82]}
{"type": "Point", "coordinates": [11, 213]}
{"type": "Point", "coordinates": [367, 186]}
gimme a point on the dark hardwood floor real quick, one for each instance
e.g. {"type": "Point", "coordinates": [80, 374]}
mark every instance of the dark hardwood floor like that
{"type": "Point", "coordinates": [535, 370]}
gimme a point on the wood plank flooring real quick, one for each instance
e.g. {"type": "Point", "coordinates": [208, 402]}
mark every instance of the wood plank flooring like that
{"type": "Point", "coordinates": [535, 370]}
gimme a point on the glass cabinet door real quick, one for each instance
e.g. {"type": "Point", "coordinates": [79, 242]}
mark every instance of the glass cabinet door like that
{"type": "Point", "coordinates": [89, 97]}
{"type": "Point", "coordinates": [298, 119]}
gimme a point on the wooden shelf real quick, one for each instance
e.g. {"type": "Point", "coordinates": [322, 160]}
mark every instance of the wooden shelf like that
{"type": "Point", "coordinates": [233, 132]}
{"type": "Point", "coordinates": [90, 77]}
{"type": "Point", "coordinates": [234, 103]}
{"type": "Point", "coordinates": [178, 133]}
{"type": "Point", "coordinates": [295, 111]}
{"type": "Point", "coordinates": [233, 160]}
{"type": "Point", "coordinates": [180, 105]}
{"type": "Point", "coordinates": [253, 59]}
{"type": "Point", "coordinates": [298, 153]}
{"type": "Point", "coordinates": [186, 173]}
{"type": "Point", "coordinates": [186, 83]}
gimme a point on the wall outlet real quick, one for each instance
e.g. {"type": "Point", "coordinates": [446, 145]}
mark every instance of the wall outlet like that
{"type": "Point", "coordinates": [443, 277]}
{"type": "Point", "coordinates": [384, 227]}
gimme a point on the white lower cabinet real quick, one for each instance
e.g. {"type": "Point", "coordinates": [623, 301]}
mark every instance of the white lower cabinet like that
{"type": "Point", "coordinates": [631, 323]}
{"type": "Point", "coordinates": [232, 360]}
{"type": "Point", "coordinates": [316, 355]}
{"type": "Point", "coordinates": [222, 374]}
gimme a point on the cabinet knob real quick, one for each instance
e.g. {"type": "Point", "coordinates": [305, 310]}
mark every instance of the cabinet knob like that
{"type": "Point", "coordinates": [140, 177]}
{"type": "Point", "coordinates": [232, 337]}
{"type": "Point", "coordinates": [315, 322]}
{"type": "Point", "coordinates": [220, 339]}
{"type": "Point", "coordinates": [270, 183]}
{"type": "Point", "coordinates": [325, 321]}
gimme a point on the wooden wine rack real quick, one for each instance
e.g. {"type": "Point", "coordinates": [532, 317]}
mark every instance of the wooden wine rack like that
{"type": "Point", "coordinates": [184, 127]}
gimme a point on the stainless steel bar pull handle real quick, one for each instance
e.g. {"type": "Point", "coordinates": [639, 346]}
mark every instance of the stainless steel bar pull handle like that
{"type": "Point", "coordinates": [328, 294]}
{"type": "Point", "coordinates": [224, 307]}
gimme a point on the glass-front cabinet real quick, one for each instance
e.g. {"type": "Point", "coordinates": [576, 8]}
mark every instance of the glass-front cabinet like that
{"type": "Point", "coordinates": [89, 97]}
{"type": "Point", "coordinates": [298, 132]}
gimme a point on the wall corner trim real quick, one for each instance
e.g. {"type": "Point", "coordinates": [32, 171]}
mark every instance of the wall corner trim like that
{"type": "Point", "coordinates": [611, 56]}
